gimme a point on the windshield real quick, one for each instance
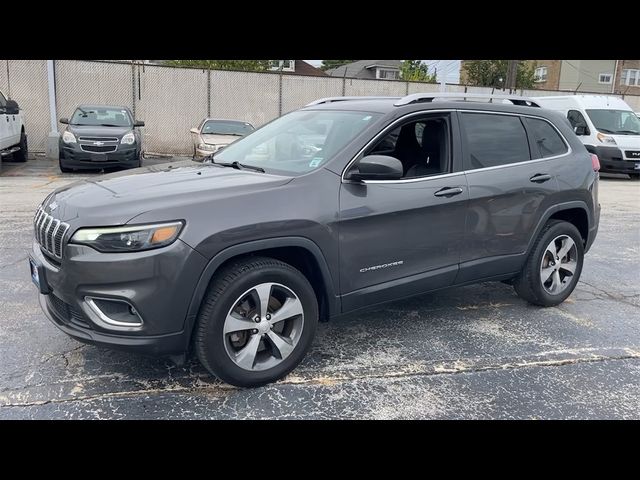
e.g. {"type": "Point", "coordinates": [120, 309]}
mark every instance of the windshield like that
{"type": "Point", "coordinates": [298, 142]}
{"type": "Point", "coordinates": [619, 122]}
{"type": "Point", "coordinates": [111, 117]}
{"type": "Point", "coordinates": [220, 127]}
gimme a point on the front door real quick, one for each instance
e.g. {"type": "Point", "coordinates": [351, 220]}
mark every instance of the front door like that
{"type": "Point", "coordinates": [5, 132]}
{"type": "Point", "coordinates": [402, 237]}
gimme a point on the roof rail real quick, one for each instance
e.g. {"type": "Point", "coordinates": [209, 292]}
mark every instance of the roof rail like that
{"type": "Point", "coordinates": [429, 97]}
{"type": "Point", "coordinates": [341, 99]}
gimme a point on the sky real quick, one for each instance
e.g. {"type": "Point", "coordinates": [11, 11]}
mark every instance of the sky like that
{"type": "Point", "coordinates": [451, 67]}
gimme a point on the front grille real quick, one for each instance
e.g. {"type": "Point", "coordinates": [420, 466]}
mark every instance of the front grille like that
{"type": "Point", "coordinates": [98, 149]}
{"type": "Point", "coordinates": [49, 232]}
{"type": "Point", "coordinates": [98, 139]}
{"type": "Point", "coordinates": [633, 154]}
{"type": "Point", "coordinates": [65, 312]}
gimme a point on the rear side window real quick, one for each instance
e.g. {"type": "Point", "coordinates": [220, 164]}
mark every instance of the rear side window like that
{"type": "Point", "coordinates": [547, 140]}
{"type": "Point", "coordinates": [494, 140]}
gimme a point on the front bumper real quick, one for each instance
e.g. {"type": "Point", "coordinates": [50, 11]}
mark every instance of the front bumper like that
{"type": "Point", "coordinates": [159, 284]}
{"type": "Point", "coordinates": [72, 156]}
{"type": "Point", "coordinates": [612, 160]}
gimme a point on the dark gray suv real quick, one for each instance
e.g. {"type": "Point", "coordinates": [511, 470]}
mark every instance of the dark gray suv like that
{"type": "Point", "coordinates": [346, 203]}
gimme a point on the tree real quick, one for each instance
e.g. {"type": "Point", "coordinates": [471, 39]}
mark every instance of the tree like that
{"type": "Point", "coordinates": [493, 73]}
{"type": "Point", "coordinates": [328, 64]}
{"type": "Point", "coordinates": [249, 65]}
{"type": "Point", "coordinates": [416, 71]}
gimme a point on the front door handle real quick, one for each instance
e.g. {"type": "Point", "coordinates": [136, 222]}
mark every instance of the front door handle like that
{"type": "Point", "coordinates": [540, 177]}
{"type": "Point", "coordinates": [448, 192]}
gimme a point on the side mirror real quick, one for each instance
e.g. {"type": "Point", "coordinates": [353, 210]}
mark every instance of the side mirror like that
{"type": "Point", "coordinates": [376, 167]}
{"type": "Point", "coordinates": [581, 130]}
{"type": "Point", "coordinates": [64, 120]}
{"type": "Point", "coordinates": [138, 123]}
{"type": "Point", "coordinates": [194, 130]}
{"type": "Point", "coordinates": [12, 107]}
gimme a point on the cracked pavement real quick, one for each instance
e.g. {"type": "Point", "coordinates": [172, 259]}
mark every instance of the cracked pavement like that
{"type": "Point", "coordinates": [472, 352]}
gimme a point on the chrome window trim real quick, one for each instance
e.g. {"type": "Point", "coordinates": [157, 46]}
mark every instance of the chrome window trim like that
{"type": "Point", "coordinates": [449, 174]}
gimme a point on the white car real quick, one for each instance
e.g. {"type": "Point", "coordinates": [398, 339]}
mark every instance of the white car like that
{"type": "Point", "coordinates": [606, 125]}
{"type": "Point", "coordinates": [13, 136]}
{"type": "Point", "coordinates": [213, 134]}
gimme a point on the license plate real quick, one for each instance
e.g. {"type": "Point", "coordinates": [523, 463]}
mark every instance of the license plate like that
{"type": "Point", "coordinates": [99, 157]}
{"type": "Point", "coordinates": [34, 273]}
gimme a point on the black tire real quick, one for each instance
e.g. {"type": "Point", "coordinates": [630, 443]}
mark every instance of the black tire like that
{"type": "Point", "coordinates": [528, 284]}
{"type": "Point", "coordinates": [64, 169]}
{"type": "Point", "coordinates": [635, 176]}
{"type": "Point", "coordinates": [225, 289]}
{"type": "Point", "coordinates": [22, 154]}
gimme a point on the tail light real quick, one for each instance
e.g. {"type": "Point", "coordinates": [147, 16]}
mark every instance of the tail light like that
{"type": "Point", "coordinates": [595, 162]}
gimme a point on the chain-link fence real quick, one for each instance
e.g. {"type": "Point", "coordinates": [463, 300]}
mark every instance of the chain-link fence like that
{"type": "Point", "coordinates": [173, 100]}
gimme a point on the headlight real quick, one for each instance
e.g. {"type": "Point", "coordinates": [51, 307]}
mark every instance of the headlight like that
{"type": "Point", "coordinates": [206, 146]}
{"type": "Point", "coordinates": [128, 139]}
{"type": "Point", "coordinates": [128, 239]}
{"type": "Point", "coordinates": [606, 139]}
{"type": "Point", "coordinates": [68, 137]}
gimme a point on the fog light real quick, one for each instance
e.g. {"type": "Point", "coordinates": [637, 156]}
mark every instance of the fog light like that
{"type": "Point", "coordinates": [114, 314]}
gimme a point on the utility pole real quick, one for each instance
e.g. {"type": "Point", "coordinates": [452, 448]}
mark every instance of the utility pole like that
{"type": "Point", "coordinates": [512, 73]}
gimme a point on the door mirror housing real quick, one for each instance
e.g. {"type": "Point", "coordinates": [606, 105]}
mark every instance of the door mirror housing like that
{"type": "Point", "coordinates": [376, 167]}
{"type": "Point", "coordinates": [64, 120]}
{"type": "Point", "coordinates": [138, 123]}
{"type": "Point", "coordinates": [12, 107]}
{"type": "Point", "coordinates": [194, 130]}
{"type": "Point", "coordinates": [581, 130]}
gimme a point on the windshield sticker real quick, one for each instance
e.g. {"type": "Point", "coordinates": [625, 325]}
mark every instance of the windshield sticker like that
{"type": "Point", "coordinates": [315, 161]}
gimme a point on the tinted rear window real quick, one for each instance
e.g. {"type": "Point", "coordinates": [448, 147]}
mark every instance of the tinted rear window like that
{"type": "Point", "coordinates": [547, 139]}
{"type": "Point", "coordinates": [495, 140]}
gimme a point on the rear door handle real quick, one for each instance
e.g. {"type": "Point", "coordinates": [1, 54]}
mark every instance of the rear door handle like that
{"type": "Point", "coordinates": [448, 192]}
{"type": "Point", "coordinates": [540, 177]}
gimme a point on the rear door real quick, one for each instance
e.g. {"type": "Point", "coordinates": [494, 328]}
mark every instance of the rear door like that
{"type": "Point", "coordinates": [510, 185]}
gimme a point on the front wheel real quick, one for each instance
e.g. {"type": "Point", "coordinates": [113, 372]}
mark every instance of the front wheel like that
{"type": "Point", "coordinates": [553, 267]}
{"type": "Point", "coordinates": [256, 323]}
{"type": "Point", "coordinates": [22, 154]}
{"type": "Point", "coordinates": [635, 176]}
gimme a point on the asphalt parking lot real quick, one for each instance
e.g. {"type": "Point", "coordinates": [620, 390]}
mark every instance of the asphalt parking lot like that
{"type": "Point", "coordinates": [472, 352]}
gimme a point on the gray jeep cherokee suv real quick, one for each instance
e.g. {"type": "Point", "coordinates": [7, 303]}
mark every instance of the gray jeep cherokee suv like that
{"type": "Point", "coordinates": [343, 204]}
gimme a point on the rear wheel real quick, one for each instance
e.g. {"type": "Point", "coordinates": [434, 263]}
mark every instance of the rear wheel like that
{"type": "Point", "coordinates": [256, 323]}
{"type": "Point", "coordinates": [22, 154]}
{"type": "Point", "coordinates": [553, 267]}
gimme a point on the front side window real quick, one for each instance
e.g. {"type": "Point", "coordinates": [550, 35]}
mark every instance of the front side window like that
{"type": "Point", "coordinates": [298, 142]}
{"type": "Point", "coordinates": [547, 140]}
{"type": "Point", "coordinates": [540, 74]}
{"type": "Point", "coordinates": [494, 140]}
{"type": "Point", "coordinates": [221, 127]}
{"type": "Point", "coordinates": [618, 122]}
{"type": "Point", "coordinates": [578, 122]}
{"type": "Point", "coordinates": [106, 117]}
{"type": "Point", "coordinates": [423, 146]}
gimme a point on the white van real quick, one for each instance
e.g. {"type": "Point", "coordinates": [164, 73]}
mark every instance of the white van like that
{"type": "Point", "coordinates": [606, 125]}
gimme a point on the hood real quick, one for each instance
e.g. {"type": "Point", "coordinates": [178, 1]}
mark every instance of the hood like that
{"type": "Point", "coordinates": [116, 198]}
{"type": "Point", "coordinates": [97, 131]}
{"type": "Point", "coordinates": [626, 141]}
{"type": "Point", "coordinates": [215, 139]}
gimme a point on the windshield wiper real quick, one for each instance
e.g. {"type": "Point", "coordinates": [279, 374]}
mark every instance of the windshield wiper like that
{"type": "Point", "coordinates": [237, 165]}
{"type": "Point", "coordinates": [109, 125]}
{"type": "Point", "coordinates": [631, 132]}
{"type": "Point", "coordinates": [605, 130]}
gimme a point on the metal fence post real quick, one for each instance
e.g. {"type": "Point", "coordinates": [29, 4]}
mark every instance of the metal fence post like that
{"type": "Point", "coordinates": [280, 95]}
{"type": "Point", "coordinates": [209, 93]}
{"type": "Point", "coordinates": [52, 139]}
{"type": "Point", "coordinates": [406, 92]}
{"type": "Point", "coordinates": [8, 80]}
{"type": "Point", "coordinates": [133, 88]}
{"type": "Point", "coordinates": [344, 86]}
